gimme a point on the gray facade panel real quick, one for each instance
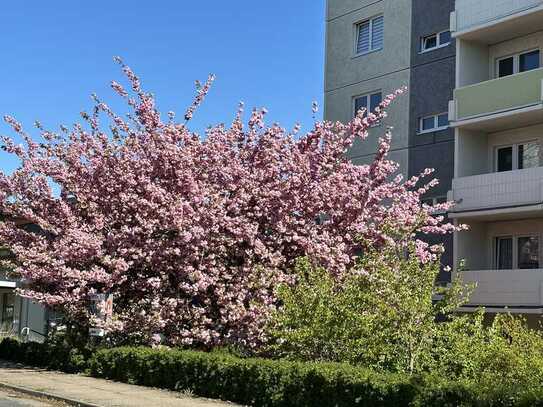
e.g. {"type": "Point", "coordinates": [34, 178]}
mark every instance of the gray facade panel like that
{"type": "Point", "coordinates": [431, 89]}
{"type": "Point", "coordinates": [430, 17]}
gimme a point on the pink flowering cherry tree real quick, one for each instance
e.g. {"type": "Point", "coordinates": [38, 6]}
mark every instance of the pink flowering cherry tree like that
{"type": "Point", "coordinates": [192, 234]}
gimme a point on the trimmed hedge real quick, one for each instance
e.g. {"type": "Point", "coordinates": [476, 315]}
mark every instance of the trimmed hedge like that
{"type": "Point", "coordinates": [259, 382]}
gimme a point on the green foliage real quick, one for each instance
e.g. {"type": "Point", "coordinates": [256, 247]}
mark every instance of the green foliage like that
{"type": "Point", "coordinates": [385, 315]}
{"type": "Point", "coordinates": [257, 382]}
{"type": "Point", "coordinates": [56, 355]}
{"type": "Point", "coordinates": [382, 314]}
{"type": "Point", "coordinates": [281, 383]}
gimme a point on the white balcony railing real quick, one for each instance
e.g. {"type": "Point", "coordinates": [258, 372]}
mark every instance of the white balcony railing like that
{"type": "Point", "coordinates": [498, 190]}
{"type": "Point", "coordinates": [472, 13]}
{"type": "Point", "coordinates": [505, 287]}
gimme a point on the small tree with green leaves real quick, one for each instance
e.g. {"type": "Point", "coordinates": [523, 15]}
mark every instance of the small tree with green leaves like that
{"type": "Point", "coordinates": [381, 314]}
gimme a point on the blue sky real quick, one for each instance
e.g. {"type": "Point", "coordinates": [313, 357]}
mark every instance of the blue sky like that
{"type": "Point", "coordinates": [55, 54]}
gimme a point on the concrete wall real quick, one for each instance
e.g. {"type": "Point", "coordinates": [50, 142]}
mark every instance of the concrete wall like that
{"type": "Point", "coordinates": [432, 80]}
{"type": "Point", "coordinates": [472, 247]}
{"type": "Point", "coordinates": [472, 63]}
{"type": "Point", "coordinates": [430, 77]}
{"type": "Point", "coordinates": [471, 156]}
{"type": "Point", "coordinates": [348, 76]}
{"type": "Point", "coordinates": [343, 68]}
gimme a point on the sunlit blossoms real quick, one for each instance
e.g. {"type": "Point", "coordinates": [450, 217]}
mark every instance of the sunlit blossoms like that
{"type": "Point", "coordinates": [192, 234]}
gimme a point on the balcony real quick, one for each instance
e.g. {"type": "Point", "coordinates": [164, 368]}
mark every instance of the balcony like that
{"type": "Point", "coordinates": [500, 195]}
{"type": "Point", "coordinates": [500, 104]}
{"type": "Point", "coordinates": [493, 21]}
{"type": "Point", "coordinates": [511, 288]}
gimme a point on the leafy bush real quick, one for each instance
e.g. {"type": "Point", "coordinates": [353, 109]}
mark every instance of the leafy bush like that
{"type": "Point", "coordinates": [385, 315]}
{"type": "Point", "coordinates": [271, 383]}
{"type": "Point", "coordinates": [52, 355]}
{"type": "Point", "coordinates": [257, 382]}
{"type": "Point", "coordinates": [382, 315]}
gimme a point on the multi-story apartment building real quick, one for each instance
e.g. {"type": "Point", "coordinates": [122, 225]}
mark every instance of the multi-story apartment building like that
{"type": "Point", "coordinates": [374, 47]}
{"type": "Point", "coordinates": [497, 116]}
{"type": "Point", "coordinates": [474, 112]}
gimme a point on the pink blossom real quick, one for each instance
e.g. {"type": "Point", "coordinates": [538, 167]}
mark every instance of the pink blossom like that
{"type": "Point", "coordinates": [193, 234]}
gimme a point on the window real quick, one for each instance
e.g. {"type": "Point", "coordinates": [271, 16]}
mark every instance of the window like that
{"type": "Point", "coordinates": [370, 35]}
{"type": "Point", "coordinates": [369, 102]}
{"type": "Point", "coordinates": [517, 252]}
{"type": "Point", "coordinates": [517, 156]}
{"type": "Point", "coordinates": [518, 63]}
{"type": "Point", "coordinates": [435, 41]}
{"type": "Point", "coordinates": [6, 316]}
{"type": "Point", "coordinates": [434, 123]}
{"type": "Point", "coordinates": [504, 253]}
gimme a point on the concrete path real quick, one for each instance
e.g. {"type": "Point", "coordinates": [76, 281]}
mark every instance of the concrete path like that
{"type": "Point", "coordinates": [89, 391]}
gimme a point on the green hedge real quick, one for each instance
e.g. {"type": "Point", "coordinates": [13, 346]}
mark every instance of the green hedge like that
{"type": "Point", "coordinates": [260, 382]}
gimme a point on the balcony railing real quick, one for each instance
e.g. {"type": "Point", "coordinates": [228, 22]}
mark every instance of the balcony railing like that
{"type": "Point", "coordinates": [473, 13]}
{"type": "Point", "coordinates": [502, 95]}
{"type": "Point", "coordinates": [498, 190]}
{"type": "Point", "coordinates": [505, 287]}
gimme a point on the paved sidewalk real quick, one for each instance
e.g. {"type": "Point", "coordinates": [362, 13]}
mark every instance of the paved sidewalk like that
{"type": "Point", "coordinates": [95, 392]}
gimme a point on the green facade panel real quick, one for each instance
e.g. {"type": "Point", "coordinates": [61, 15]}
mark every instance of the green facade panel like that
{"type": "Point", "coordinates": [499, 95]}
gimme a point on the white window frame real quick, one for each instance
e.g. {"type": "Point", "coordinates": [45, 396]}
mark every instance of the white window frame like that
{"type": "Point", "coordinates": [438, 42]}
{"type": "Point", "coordinates": [368, 97]}
{"type": "Point", "coordinates": [356, 36]}
{"type": "Point", "coordinates": [514, 260]}
{"type": "Point", "coordinates": [516, 62]}
{"type": "Point", "coordinates": [436, 123]}
{"type": "Point", "coordinates": [515, 153]}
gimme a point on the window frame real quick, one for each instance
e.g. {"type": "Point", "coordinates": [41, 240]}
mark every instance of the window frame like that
{"type": "Point", "coordinates": [370, 40]}
{"type": "Point", "coordinates": [516, 62]}
{"type": "Point", "coordinates": [422, 50]}
{"type": "Point", "coordinates": [368, 101]}
{"type": "Point", "coordinates": [436, 123]}
{"type": "Point", "coordinates": [515, 147]}
{"type": "Point", "coordinates": [514, 261]}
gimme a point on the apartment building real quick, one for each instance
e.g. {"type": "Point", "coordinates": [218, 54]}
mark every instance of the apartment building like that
{"type": "Point", "coordinates": [374, 47]}
{"type": "Point", "coordinates": [497, 116]}
{"type": "Point", "coordinates": [474, 112]}
{"type": "Point", "coordinates": [19, 316]}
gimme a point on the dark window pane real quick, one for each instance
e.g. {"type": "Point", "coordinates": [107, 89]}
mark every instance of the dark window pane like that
{"type": "Point", "coordinates": [428, 123]}
{"type": "Point", "coordinates": [443, 120]}
{"type": "Point", "coordinates": [429, 42]}
{"type": "Point", "coordinates": [506, 67]}
{"type": "Point", "coordinates": [505, 159]}
{"type": "Point", "coordinates": [504, 253]}
{"type": "Point", "coordinates": [529, 61]}
{"type": "Point", "coordinates": [528, 155]}
{"type": "Point", "coordinates": [444, 37]}
{"type": "Point", "coordinates": [375, 100]}
{"type": "Point", "coordinates": [6, 316]}
{"type": "Point", "coordinates": [441, 199]}
{"type": "Point", "coordinates": [528, 252]}
{"type": "Point", "coordinates": [360, 103]}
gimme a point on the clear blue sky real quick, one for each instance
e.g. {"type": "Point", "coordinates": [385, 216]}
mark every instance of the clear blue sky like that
{"type": "Point", "coordinates": [55, 54]}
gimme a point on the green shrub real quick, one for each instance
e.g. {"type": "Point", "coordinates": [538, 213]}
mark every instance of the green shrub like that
{"type": "Point", "coordinates": [51, 355]}
{"type": "Point", "coordinates": [257, 382]}
{"type": "Point", "coordinates": [382, 314]}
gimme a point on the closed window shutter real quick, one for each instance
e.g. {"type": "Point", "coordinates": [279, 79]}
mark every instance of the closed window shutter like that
{"type": "Point", "coordinates": [377, 33]}
{"type": "Point", "coordinates": [363, 43]}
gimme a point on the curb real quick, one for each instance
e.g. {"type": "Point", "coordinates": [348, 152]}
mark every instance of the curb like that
{"type": "Point", "coordinates": [42, 394]}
